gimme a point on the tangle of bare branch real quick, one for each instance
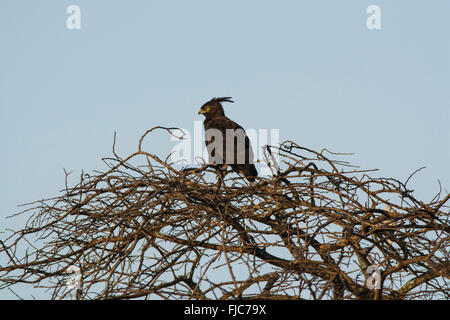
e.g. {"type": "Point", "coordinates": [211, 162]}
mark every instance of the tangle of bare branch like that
{"type": "Point", "coordinates": [318, 229]}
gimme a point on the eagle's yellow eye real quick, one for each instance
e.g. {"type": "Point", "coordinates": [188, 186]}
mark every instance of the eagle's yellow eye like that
{"type": "Point", "coordinates": [204, 110]}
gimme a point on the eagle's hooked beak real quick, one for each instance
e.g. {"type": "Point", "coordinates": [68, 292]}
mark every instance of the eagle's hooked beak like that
{"type": "Point", "coordinates": [203, 110]}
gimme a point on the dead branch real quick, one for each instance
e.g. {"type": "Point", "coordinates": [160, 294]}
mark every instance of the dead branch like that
{"type": "Point", "coordinates": [144, 229]}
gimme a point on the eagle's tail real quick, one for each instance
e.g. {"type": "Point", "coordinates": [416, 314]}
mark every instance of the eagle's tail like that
{"type": "Point", "coordinates": [250, 172]}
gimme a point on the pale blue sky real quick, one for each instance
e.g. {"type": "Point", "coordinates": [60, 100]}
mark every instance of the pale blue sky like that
{"type": "Point", "coordinates": [309, 68]}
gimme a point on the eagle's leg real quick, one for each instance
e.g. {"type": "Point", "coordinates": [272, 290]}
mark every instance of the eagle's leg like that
{"type": "Point", "coordinates": [221, 172]}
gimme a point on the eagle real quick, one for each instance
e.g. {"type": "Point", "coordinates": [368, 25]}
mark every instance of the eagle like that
{"type": "Point", "coordinates": [226, 141]}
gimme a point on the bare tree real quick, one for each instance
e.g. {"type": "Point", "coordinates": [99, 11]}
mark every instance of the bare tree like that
{"type": "Point", "coordinates": [318, 229]}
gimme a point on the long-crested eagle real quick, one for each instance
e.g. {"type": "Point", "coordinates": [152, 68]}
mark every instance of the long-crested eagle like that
{"type": "Point", "coordinates": [226, 141]}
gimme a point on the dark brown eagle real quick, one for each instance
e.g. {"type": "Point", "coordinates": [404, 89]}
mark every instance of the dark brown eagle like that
{"type": "Point", "coordinates": [226, 141]}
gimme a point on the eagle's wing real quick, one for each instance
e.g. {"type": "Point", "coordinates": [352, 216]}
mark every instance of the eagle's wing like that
{"type": "Point", "coordinates": [240, 146]}
{"type": "Point", "coordinates": [227, 142]}
{"type": "Point", "coordinates": [242, 150]}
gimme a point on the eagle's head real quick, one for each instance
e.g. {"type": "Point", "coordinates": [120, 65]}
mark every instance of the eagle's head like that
{"type": "Point", "coordinates": [213, 107]}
